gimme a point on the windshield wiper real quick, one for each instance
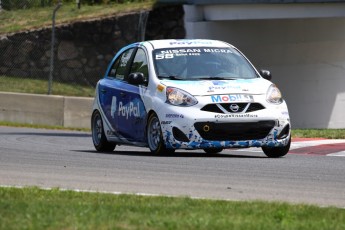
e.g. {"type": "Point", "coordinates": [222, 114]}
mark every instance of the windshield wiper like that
{"type": "Point", "coordinates": [217, 78]}
{"type": "Point", "coordinates": [171, 77]}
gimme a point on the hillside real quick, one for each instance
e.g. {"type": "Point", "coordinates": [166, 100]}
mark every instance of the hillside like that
{"type": "Point", "coordinates": [28, 19]}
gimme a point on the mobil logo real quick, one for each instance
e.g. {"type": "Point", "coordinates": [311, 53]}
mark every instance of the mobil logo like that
{"type": "Point", "coordinates": [231, 98]}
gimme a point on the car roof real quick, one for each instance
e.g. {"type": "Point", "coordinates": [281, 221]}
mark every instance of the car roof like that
{"type": "Point", "coordinates": [173, 43]}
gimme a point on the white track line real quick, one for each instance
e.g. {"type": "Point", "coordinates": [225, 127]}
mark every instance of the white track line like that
{"type": "Point", "coordinates": [302, 144]}
{"type": "Point", "coordinates": [338, 154]}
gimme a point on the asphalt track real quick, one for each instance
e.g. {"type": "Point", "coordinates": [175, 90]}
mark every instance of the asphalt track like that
{"type": "Point", "coordinates": [67, 159]}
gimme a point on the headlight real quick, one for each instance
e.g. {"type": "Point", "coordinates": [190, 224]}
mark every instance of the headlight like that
{"type": "Point", "coordinates": [179, 97]}
{"type": "Point", "coordinates": [274, 95]}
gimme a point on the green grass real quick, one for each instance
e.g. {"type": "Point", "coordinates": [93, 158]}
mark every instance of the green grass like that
{"type": "Point", "coordinates": [34, 208]}
{"type": "Point", "coordinates": [33, 18]}
{"type": "Point", "coordinates": [319, 133]}
{"type": "Point", "coordinates": [35, 86]}
{"type": "Point", "coordinates": [39, 126]}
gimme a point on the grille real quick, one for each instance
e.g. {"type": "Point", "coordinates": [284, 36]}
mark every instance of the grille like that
{"type": "Point", "coordinates": [222, 107]}
{"type": "Point", "coordinates": [212, 108]}
{"type": "Point", "coordinates": [255, 107]}
{"type": "Point", "coordinates": [179, 135]}
{"type": "Point", "coordinates": [234, 131]}
{"type": "Point", "coordinates": [241, 106]}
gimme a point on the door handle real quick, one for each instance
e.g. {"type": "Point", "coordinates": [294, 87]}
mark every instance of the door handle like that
{"type": "Point", "coordinates": [123, 94]}
{"type": "Point", "coordinates": [103, 91]}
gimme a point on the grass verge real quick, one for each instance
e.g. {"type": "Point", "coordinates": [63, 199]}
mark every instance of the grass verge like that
{"type": "Point", "coordinates": [36, 86]}
{"type": "Point", "coordinates": [33, 18]}
{"type": "Point", "coordinates": [319, 133]}
{"type": "Point", "coordinates": [34, 208]}
{"type": "Point", "coordinates": [38, 126]}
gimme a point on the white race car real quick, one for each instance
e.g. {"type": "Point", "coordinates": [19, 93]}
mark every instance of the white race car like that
{"type": "Point", "coordinates": [188, 94]}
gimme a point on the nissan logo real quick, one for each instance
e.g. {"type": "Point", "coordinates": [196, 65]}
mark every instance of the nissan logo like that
{"type": "Point", "coordinates": [234, 108]}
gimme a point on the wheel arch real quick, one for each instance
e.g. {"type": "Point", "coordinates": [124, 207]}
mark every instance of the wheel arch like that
{"type": "Point", "coordinates": [149, 114]}
{"type": "Point", "coordinates": [99, 137]}
{"type": "Point", "coordinates": [93, 112]}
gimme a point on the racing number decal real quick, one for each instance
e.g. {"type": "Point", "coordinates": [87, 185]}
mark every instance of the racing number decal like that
{"type": "Point", "coordinates": [163, 56]}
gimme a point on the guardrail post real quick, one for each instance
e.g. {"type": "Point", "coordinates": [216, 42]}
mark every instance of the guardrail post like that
{"type": "Point", "coordinates": [78, 3]}
{"type": "Point", "coordinates": [52, 49]}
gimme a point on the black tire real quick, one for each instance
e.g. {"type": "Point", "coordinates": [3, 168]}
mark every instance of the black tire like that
{"type": "Point", "coordinates": [275, 152]}
{"type": "Point", "coordinates": [213, 150]}
{"type": "Point", "coordinates": [155, 136]}
{"type": "Point", "coordinates": [98, 137]}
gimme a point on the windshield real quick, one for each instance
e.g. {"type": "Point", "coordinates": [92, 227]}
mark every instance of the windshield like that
{"type": "Point", "coordinates": [194, 63]}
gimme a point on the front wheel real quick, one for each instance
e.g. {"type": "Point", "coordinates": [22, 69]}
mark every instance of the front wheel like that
{"type": "Point", "coordinates": [155, 136]}
{"type": "Point", "coordinates": [99, 139]}
{"type": "Point", "coordinates": [275, 152]}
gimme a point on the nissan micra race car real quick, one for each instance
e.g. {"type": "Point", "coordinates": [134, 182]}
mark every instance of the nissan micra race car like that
{"type": "Point", "coordinates": [188, 94]}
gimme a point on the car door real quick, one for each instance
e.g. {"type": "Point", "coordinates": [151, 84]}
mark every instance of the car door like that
{"type": "Point", "coordinates": [110, 91]}
{"type": "Point", "coordinates": [121, 101]}
{"type": "Point", "coordinates": [130, 107]}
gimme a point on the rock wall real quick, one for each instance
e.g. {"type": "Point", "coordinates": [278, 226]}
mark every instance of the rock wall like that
{"type": "Point", "coordinates": [84, 49]}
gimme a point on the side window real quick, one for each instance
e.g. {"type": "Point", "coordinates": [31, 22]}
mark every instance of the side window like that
{"type": "Point", "coordinates": [118, 70]}
{"type": "Point", "coordinates": [140, 63]}
{"type": "Point", "coordinates": [114, 67]}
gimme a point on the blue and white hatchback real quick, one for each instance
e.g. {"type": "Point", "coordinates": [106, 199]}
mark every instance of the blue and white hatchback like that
{"type": "Point", "coordinates": [188, 94]}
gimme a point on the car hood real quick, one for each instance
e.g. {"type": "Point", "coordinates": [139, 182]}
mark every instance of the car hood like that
{"type": "Point", "coordinates": [211, 87]}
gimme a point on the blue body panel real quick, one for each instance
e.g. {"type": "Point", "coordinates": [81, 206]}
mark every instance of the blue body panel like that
{"type": "Point", "coordinates": [123, 108]}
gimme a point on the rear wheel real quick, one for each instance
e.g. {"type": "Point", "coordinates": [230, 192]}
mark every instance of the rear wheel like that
{"type": "Point", "coordinates": [155, 136]}
{"type": "Point", "coordinates": [213, 150]}
{"type": "Point", "coordinates": [275, 152]}
{"type": "Point", "coordinates": [99, 139]}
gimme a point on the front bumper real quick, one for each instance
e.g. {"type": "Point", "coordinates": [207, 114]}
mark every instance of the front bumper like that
{"type": "Point", "coordinates": [195, 129]}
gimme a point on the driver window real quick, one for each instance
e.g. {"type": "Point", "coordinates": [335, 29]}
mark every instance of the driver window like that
{"type": "Point", "coordinates": [112, 72]}
{"type": "Point", "coordinates": [140, 64]}
{"type": "Point", "coordinates": [118, 70]}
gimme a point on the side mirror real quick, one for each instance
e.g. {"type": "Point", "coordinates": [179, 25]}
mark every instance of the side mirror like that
{"type": "Point", "coordinates": [265, 74]}
{"type": "Point", "coordinates": [136, 78]}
